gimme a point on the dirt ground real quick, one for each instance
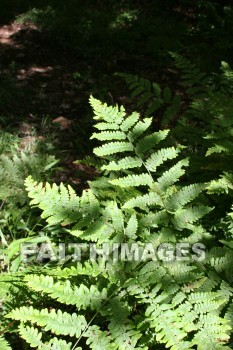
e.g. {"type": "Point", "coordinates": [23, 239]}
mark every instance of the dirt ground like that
{"type": "Point", "coordinates": [43, 71]}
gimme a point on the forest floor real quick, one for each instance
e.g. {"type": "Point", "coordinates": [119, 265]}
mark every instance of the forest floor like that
{"type": "Point", "coordinates": [43, 71]}
{"type": "Point", "coordinates": [45, 88]}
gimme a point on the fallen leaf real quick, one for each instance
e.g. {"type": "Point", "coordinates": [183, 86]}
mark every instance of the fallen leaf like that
{"type": "Point", "coordinates": [63, 122]}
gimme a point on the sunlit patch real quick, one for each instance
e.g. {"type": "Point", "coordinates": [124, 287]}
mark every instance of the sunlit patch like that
{"type": "Point", "coordinates": [7, 33]}
{"type": "Point", "coordinates": [33, 70]}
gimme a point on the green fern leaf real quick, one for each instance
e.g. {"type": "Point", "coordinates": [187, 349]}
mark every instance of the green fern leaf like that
{"type": "Point", "coordinates": [106, 126]}
{"type": "Point", "coordinates": [184, 217]}
{"type": "Point", "coordinates": [123, 164]}
{"type": "Point", "coordinates": [183, 196]}
{"type": "Point", "coordinates": [58, 322]}
{"type": "Point", "coordinates": [130, 121]}
{"type": "Point", "coordinates": [132, 226]}
{"type": "Point", "coordinates": [59, 344]}
{"type": "Point", "coordinates": [109, 135]}
{"type": "Point", "coordinates": [80, 296]}
{"type": "Point", "coordinates": [171, 176]}
{"type": "Point", "coordinates": [4, 345]}
{"type": "Point", "coordinates": [106, 113]}
{"type": "Point", "coordinates": [158, 158]}
{"type": "Point", "coordinates": [133, 181]}
{"type": "Point", "coordinates": [139, 129]}
{"type": "Point", "coordinates": [32, 336]}
{"type": "Point", "coordinates": [150, 141]}
{"type": "Point", "coordinates": [112, 148]}
{"type": "Point", "coordinates": [144, 201]}
{"type": "Point", "coordinates": [59, 204]}
{"type": "Point", "coordinates": [104, 340]}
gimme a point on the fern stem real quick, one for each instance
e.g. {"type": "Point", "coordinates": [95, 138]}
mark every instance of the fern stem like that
{"type": "Point", "coordinates": [2, 204]}
{"type": "Point", "coordinates": [3, 331]}
{"type": "Point", "coordinates": [92, 319]}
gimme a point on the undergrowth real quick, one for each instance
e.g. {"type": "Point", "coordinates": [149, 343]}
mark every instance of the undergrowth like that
{"type": "Point", "coordinates": [156, 294]}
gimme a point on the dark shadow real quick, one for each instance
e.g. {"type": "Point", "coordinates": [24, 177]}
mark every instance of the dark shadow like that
{"type": "Point", "coordinates": [73, 49]}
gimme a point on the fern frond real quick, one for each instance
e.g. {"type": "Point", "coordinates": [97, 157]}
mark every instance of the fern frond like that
{"type": "Point", "coordinates": [139, 129]}
{"type": "Point", "coordinates": [148, 142]}
{"type": "Point", "coordinates": [130, 121]}
{"type": "Point", "coordinates": [109, 135]}
{"type": "Point", "coordinates": [158, 158]}
{"type": "Point", "coordinates": [59, 344]}
{"type": "Point", "coordinates": [59, 204]}
{"type": "Point", "coordinates": [184, 217]}
{"type": "Point", "coordinates": [171, 176]}
{"type": "Point", "coordinates": [133, 181]}
{"type": "Point", "coordinates": [123, 164]}
{"type": "Point", "coordinates": [80, 296]}
{"type": "Point", "coordinates": [113, 148]}
{"type": "Point", "coordinates": [155, 219]}
{"type": "Point", "coordinates": [58, 322]}
{"type": "Point", "coordinates": [107, 113]}
{"type": "Point", "coordinates": [144, 201]}
{"type": "Point", "coordinates": [104, 340]}
{"type": "Point", "coordinates": [223, 262]}
{"type": "Point", "coordinates": [183, 196]}
{"type": "Point", "coordinates": [32, 336]}
{"type": "Point", "coordinates": [159, 300]}
{"type": "Point", "coordinates": [88, 268]}
{"type": "Point", "coordinates": [222, 185]}
{"type": "Point", "coordinates": [107, 126]}
{"type": "Point", "coordinates": [224, 146]}
{"type": "Point", "coordinates": [132, 226]}
{"type": "Point", "coordinates": [191, 75]}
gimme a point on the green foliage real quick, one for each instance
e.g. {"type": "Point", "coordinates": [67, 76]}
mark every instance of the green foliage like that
{"type": "Point", "coordinates": [40, 17]}
{"type": "Point", "coordinates": [33, 337]}
{"type": "Point", "coordinates": [14, 169]}
{"type": "Point", "coordinates": [203, 120]}
{"type": "Point", "coordinates": [16, 164]}
{"type": "Point", "coordinates": [55, 321]}
{"type": "Point", "coordinates": [150, 190]}
{"type": "Point", "coordinates": [17, 221]}
{"type": "Point", "coordinates": [4, 344]}
{"type": "Point", "coordinates": [151, 95]}
{"type": "Point", "coordinates": [142, 197]}
{"type": "Point", "coordinates": [202, 29]}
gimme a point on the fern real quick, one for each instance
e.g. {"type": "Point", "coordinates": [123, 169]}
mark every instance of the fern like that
{"type": "Point", "coordinates": [151, 95]}
{"type": "Point", "coordinates": [195, 81]}
{"type": "Point", "coordinates": [168, 297]}
{"type": "Point", "coordinates": [15, 168]}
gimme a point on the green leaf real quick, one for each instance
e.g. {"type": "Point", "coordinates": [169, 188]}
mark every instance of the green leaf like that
{"type": "Point", "coordinates": [112, 148]}
{"type": "Point", "coordinates": [123, 164]}
{"type": "Point", "coordinates": [158, 158]}
{"type": "Point", "coordinates": [4, 345]}
{"type": "Point", "coordinates": [171, 176]}
{"type": "Point", "coordinates": [148, 142]}
{"type": "Point", "coordinates": [133, 181]}
{"type": "Point", "coordinates": [109, 135]}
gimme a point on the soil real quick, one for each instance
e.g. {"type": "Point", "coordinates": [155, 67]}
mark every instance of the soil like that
{"type": "Point", "coordinates": [44, 82]}
{"type": "Point", "coordinates": [41, 80]}
{"type": "Point", "coordinates": [43, 71]}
